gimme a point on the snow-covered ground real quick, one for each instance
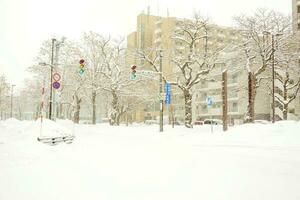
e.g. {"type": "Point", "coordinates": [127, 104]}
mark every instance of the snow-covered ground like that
{"type": "Point", "coordinates": [249, 162]}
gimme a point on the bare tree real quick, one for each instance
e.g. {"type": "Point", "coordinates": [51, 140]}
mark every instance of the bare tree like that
{"type": "Point", "coordinates": [93, 55]}
{"type": "Point", "coordinates": [194, 64]}
{"type": "Point", "coordinates": [258, 50]}
{"type": "Point", "coordinates": [287, 73]}
{"type": "Point", "coordinates": [116, 78]}
{"type": "Point", "coordinates": [4, 89]}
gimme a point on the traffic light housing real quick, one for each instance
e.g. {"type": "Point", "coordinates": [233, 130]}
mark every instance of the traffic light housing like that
{"type": "Point", "coordinates": [133, 72]}
{"type": "Point", "coordinates": [81, 66]}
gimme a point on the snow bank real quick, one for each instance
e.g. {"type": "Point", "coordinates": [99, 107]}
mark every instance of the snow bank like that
{"type": "Point", "coordinates": [48, 128]}
{"type": "Point", "coordinates": [12, 125]}
{"type": "Point", "coordinates": [249, 162]}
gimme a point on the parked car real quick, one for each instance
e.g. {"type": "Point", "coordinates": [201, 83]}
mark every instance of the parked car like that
{"type": "Point", "coordinates": [150, 122]}
{"type": "Point", "coordinates": [261, 122]}
{"type": "Point", "coordinates": [179, 123]}
{"type": "Point", "coordinates": [198, 122]}
{"type": "Point", "coordinates": [213, 121]}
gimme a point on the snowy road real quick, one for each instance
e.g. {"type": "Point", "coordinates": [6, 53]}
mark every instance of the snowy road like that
{"type": "Point", "coordinates": [251, 162]}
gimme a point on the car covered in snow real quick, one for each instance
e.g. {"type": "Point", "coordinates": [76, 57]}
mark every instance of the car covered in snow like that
{"type": "Point", "coordinates": [213, 121]}
{"type": "Point", "coordinates": [198, 122]}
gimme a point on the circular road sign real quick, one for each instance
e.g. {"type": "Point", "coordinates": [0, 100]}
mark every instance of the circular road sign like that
{"type": "Point", "coordinates": [56, 77]}
{"type": "Point", "coordinates": [56, 85]}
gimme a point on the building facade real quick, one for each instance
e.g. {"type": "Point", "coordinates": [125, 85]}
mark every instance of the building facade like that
{"type": "Point", "coordinates": [154, 32]}
{"type": "Point", "coordinates": [296, 15]}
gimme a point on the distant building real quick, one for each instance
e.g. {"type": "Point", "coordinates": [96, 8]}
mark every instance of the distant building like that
{"type": "Point", "coordinates": [296, 15]}
{"type": "Point", "coordinates": [156, 32]}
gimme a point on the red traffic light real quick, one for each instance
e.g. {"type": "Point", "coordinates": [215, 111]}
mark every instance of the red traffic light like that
{"type": "Point", "coordinates": [133, 67]}
{"type": "Point", "coordinates": [81, 61]}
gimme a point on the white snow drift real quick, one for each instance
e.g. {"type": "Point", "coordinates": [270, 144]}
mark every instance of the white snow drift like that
{"type": "Point", "coordinates": [249, 162]}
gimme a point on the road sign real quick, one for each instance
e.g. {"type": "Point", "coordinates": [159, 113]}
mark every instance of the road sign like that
{"type": "Point", "coordinates": [168, 88]}
{"type": "Point", "coordinates": [209, 101]}
{"type": "Point", "coordinates": [56, 77]}
{"type": "Point", "coordinates": [168, 99]}
{"type": "Point", "coordinates": [168, 93]}
{"type": "Point", "coordinates": [56, 85]}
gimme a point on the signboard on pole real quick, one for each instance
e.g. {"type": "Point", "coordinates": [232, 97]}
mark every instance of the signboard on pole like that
{"type": "Point", "coordinates": [56, 85]}
{"type": "Point", "coordinates": [209, 101]}
{"type": "Point", "coordinates": [168, 93]}
{"type": "Point", "coordinates": [56, 77]}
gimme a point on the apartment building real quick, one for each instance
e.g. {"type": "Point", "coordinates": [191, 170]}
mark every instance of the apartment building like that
{"type": "Point", "coordinates": [155, 32]}
{"type": "Point", "coordinates": [296, 15]}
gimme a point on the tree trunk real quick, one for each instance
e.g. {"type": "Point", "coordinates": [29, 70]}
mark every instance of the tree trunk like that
{"type": "Point", "coordinates": [249, 118]}
{"type": "Point", "coordinates": [285, 111]}
{"type": "Point", "coordinates": [172, 115]}
{"type": "Point", "coordinates": [114, 114]}
{"type": "Point", "coordinates": [285, 105]}
{"type": "Point", "coordinates": [77, 110]}
{"type": "Point", "coordinates": [126, 118]}
{"type": "Point", "coordinates": [94, 107]}
{"type": "Point", "coordinates": [188, 108]}
{"type": "Point", "coordinates": [224, 101]}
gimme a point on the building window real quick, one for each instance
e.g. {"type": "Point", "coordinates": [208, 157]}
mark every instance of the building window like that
{"type": "Point", "coordinates": [298, 26]}
{"type": "Point", "coordinates": [234, 78]}
{"type": "Point", "coordinates": [142, 36]}
{"type": "Point", "coordinates": [204, 84]}
{"type": "Point", "coordinates": [203, 96]}
{"type": "Point", "coordinates": [234, 107]}
{"type": "Point", "coordinates": [298, 9]}
{"type": "Point", "coordinates": [292, 111]}
{"type": "Point", "coordinates": [232, 93]}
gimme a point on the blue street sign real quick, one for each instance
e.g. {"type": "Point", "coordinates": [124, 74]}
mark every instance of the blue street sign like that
{"type": "Point", "coordinates": [56, 85]}
{"type": "Point", "coordinates": [209, 101]}
{"type": "Point", "coordinates": [168, 93]}
{"type": "Point", "coordinates": [167, 88]}
{"type": "Point", "coordinates": [168, 99]}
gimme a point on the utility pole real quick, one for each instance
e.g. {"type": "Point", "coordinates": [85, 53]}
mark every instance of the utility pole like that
{"type": "Point", "coordinates": [11, 100]}
{"type": "Point", "coordinates": [57, 48]}
{"type": "Point", "coordinates": [51, 82]}
{"type": "Point", "coordinates": [273, 71]}
{"type": "Point", "coordinates": [273, 81]}
{"type": "Point", "coordinates": [161, 114]}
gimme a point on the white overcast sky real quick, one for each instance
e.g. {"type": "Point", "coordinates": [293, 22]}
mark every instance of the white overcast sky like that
{"type": "Point", "coordinates": [24, 24]}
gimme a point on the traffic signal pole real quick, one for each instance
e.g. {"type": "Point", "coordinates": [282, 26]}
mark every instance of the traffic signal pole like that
{"type": "Point", "coordinates": [51, 72]}
{"type": "Point", "coordinates": [160, 93]}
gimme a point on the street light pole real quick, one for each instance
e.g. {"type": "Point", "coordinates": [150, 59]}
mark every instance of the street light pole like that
{"type": "Point", "coordinates": [160, 93]}
{"type": "Point", "coordinates": [273, 71]}
{"type": "Point", "coordinates": [273, 81]}
{"type": "Point", "coordinates": [51, 72]}
{"type": "Point", "coordinates": [11, 100]}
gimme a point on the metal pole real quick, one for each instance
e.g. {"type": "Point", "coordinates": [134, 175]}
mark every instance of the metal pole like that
{"type": "Point", "coordinates": [51, 72]}
{"type": "Point", "coordinates": [273, 82]}
{"type": "Point", "coordinates": [57, 46]}
{"type": "Point", "coordinates": [160, 93]}
{"type": "Point", "coordinates": [211, 122]}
